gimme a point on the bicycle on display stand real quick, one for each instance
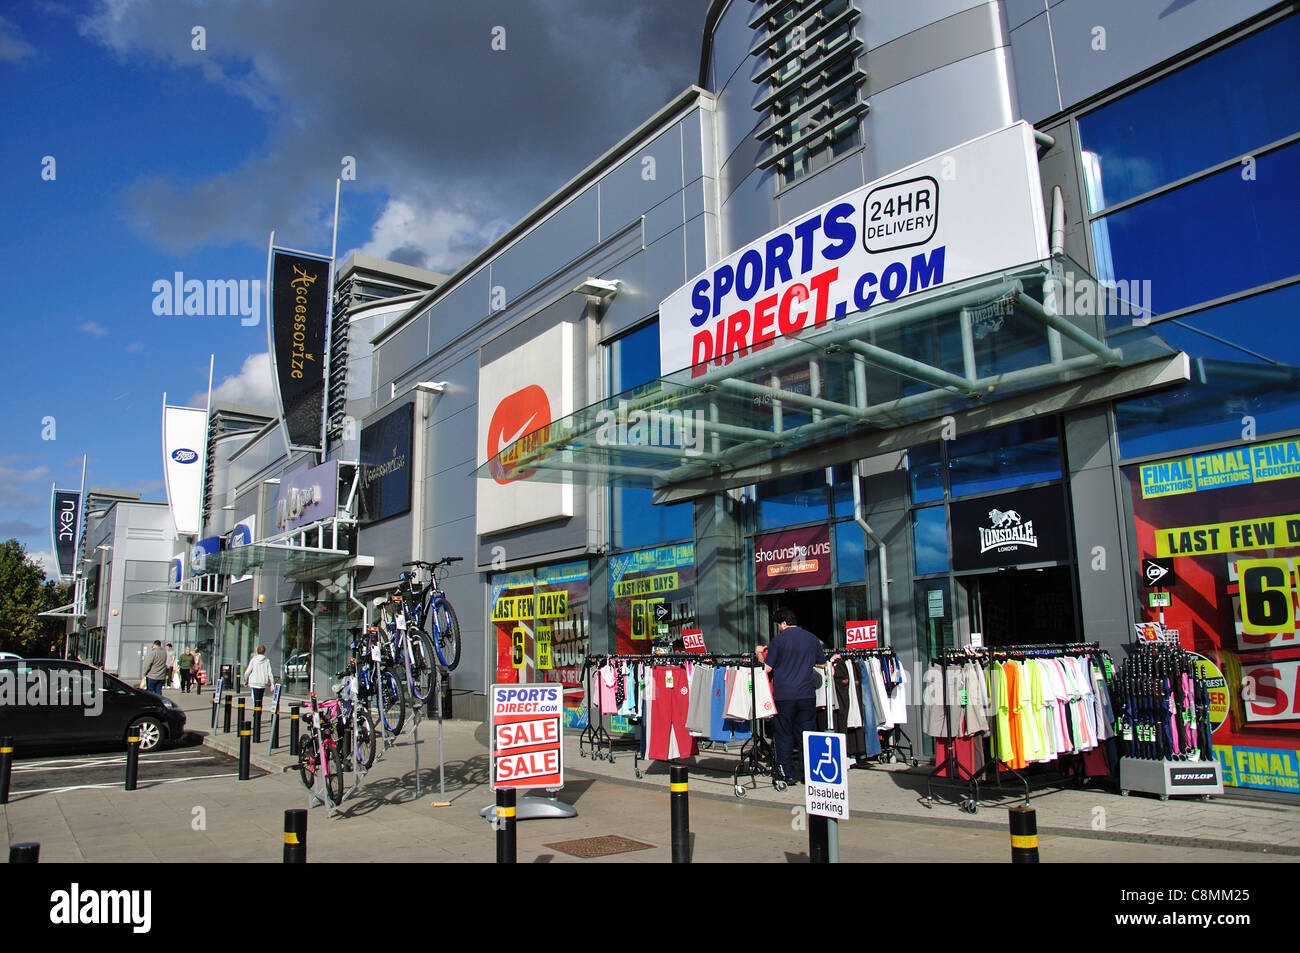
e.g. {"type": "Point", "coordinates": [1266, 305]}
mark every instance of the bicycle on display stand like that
{"type": "Point", "coordinates": [422, 628]}
{"type": "Point", "coordinates": [321, 756]}
{"type": "Point", "coordinates": [377, 682]}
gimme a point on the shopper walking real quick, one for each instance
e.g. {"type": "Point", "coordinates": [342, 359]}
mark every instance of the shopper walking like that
{"type": "Point", "coordinates": [198, 667]}
{"type": "Point", "coordinates": [186, 663]}
{"type": "Point", "coordinates": [258, 675]}
{"type": "Point", "coordinates": [155, 668]}
{"type": "Point", "coordinates": [171, 665]}
{"type": "Point", "coordinates": [795, 660]}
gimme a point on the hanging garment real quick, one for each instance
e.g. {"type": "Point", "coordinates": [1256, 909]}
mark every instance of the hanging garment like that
{"type": "Point", "coordinates": [627, 674]}
{"type": "Point", "coordinates": [1009, 704]}
{"type": "Point", "coordinates": [855, 703]}
{"type": "Point", "coordinates": [669, 738]}
{"type": "Point", "coordinates": [974, 683]}
{"type": "Point", "coordinates": [608, 706]}
{"type": "Point", "coordinates": [897, 699]}
{"type": "Point", "coordinates": [880, 700]}
{"type": "Point", "coordinates": [944, 713]}
{"type": "Point", "coordinates": [764, 704]}
{"type": "Point", "coordinates": [701, 695]}
{"type": "Point", "coordinates": [740, 699]}
{"type": "Point", "coordinates": [870, 723]}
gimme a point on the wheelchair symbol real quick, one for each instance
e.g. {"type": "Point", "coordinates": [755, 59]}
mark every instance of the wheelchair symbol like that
{"type": "Point", "coordinates": [827, 768]}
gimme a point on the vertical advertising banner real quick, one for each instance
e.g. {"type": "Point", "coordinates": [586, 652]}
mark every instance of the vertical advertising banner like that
{"type": "Point", "coordinates": [386, 465]}
{"type": "Point", "coordinates": [298, 331]}
{"type": "Point", "coordinates": [64, 506]}
{"type": "Point", "coordinates": [184, 443]}
{"type": "Point", "coordinates": [244, 533]}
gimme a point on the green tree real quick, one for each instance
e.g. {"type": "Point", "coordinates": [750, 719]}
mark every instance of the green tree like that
{"type": "Point", "coordinates": [24, 595]}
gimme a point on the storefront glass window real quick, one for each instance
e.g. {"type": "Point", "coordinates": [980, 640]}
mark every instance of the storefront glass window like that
{"type": "Point", "coordinates": [651, 597]}
{"type": "Point", "coordinates": [841, 491]}
{"type": "Point", "coordinates": [792, 500]}
{"type": "Point", "coordinates": [1192, 119]}
{"type": "Point", "coordinates": [849, 564]}
{"type": "Point", "coordinates": [1241, 368]}
{"type": "Point", "coordinates": [1022, 453]}
{"type": "Point", "coordinates": [930, 539]}
{"type": "Point", "coordinates": [925, 473]}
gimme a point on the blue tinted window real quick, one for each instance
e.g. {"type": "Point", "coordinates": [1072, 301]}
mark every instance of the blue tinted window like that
{"type": "Point", "coordinates": [1245, 363]}
{"type": "Point", "coordinates": [998, 459]}
{"type": "Point", "coordinates": [638, 523]}
{"type": "Point", "coordinates": [842, 491]}
{"type": "Point", "coordinates": [930, 539]}
{"type": "Point", "coordinates": [635, 359]}
{"type": "Point", "coordinates": [1218, 235]}
{"type": "Point", "coordinates": [796, 499]}
{"type": "Point", "coordinates": [1222, 106]}
{"type": "Point", "coordinates": [849, 565]}
{"type": "Point", "coordinates": [925, 473]}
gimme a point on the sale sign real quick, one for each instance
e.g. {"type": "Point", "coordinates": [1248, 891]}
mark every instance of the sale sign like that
{"type": "Point", "coordinates": [693, 640]}
{"type": "Point", "coordinates": [861, 635]}
{"type": "Point", "coordinates": [527, 736]}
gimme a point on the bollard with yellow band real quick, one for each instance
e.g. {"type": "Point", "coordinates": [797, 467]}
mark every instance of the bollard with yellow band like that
{"type": "Point", "coordinates": [1024, 835]}
{"type": "Point", "coordinates": [29, 853]}
{"type": "Point", "coordinates": [257, 724]}
{"type": "Point", "coordinates": [295, 836]}
{"type": "Point", "coordinates": [680, 816]}
{"type": "Point", "coordinates": [132, 761]}
{"type": "Point", "coordinates": [294, 726]}
{"type": "Point", "coordinates": [504, 822]}
{"type": "Point", "coordinates": [245, 748]}
{"type": "Point", "coordinates": [6, 766]}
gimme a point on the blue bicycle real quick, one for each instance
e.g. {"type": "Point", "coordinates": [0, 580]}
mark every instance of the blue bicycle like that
{"type": "Point", "coordinates": [430, 615]}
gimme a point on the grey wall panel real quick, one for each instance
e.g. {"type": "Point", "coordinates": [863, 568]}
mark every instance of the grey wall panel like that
{"type": "Point", "coordinates": [736, 121]}
{"type": "Point", "coordinates": [553, 244]}
{"type": "Point", "coordinates": [1035, 70]}
{"type": "Point", "coordinates": [665, 266]}
{"type": "Point", "coordinates": [571, 308]}
{"type": "Point", "coordinates": [1137, 36]}
{"type": "Point", "coordinates": [1022, 11]}
{"type": "Point", "coordinates": [1058, 167]}
{"type": "Point", "coordinates": [450, 496]}
{"type": "Point", "coordinates": [748, 213]}
{"type": "Point", "coordinates": [964, 34]}
{"type": "Point", "coordinates": [461, 393]}
{"type": "Point", "coordinates": [459, 310]}
{"type": "Point", "coordinates": [885, 20]}
{"type": "Point", "coordinates": [147, 570]}
{"type": "Point", "coordinates": [692, 201]}
{"type": "Point", "coordinates": [390, 543]}
{"type": "Point", "coordinates": [731, 41]}
{"type": "Point", "coordinates": [708, 144]}
{"type": "Point", "coordinates": [667, 215]}
{"type": "Point", "coordinates": [638, 184]}
{"type": "Point", "coordinates": [240, 596]}
{"type": "Point", "coordinates": [403, 351]}
{"type": "Point", "coordinates": [695, 160]}
{"type": "Point", "coordinates": [701, 244]}
{"type": "Point", "coordinates": [818, 189]}
{"type": "Point", "coordinates": [537, 544]}
{"type": "Point", "coordinates": [632, 303]}
{"type": "Point", "coordinates": [453, 442]}
{"type": "Point", "coordinates": [931, 113]}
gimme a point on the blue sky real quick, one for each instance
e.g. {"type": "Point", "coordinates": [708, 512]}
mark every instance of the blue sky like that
{"type": "Point", "coordinates": [129, 154]}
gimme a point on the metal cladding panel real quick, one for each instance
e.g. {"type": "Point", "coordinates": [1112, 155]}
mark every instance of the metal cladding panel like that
{"type": "Point", "coordinates": [450, 496]}
{"type": "Point", "coordinates": [665, 216]}
{"type": "Point", "coordinates": [665, 265]}
{"type": "Point", "coordinates": [701, 243]}
{"type": "Point", "coordinates": [631, 305]}
{"type": "Point", "coordinates": [737, 120]}
{"type": "Point", "coordinates": [452, 315]}
{"type": "Point", "coordinates": [886, 20]}
{"type": "Point", "coordinates": [642, 181]}
{"type": "Point", "coordinates": [749, 212]}
{"type": "Point", "coordinates": [402, 351]}
{"type": "Point", "coordinates": [239, 596]}
{"type": "Point", "coordinates": [693, 199]}
{"type": "Point", "coordinates": [390, 543]}
{"type": "Point", "coordinates": [815, 190]}
{"type": "Point", "coordinates": [696, 159]}
{"type": "Point", "coordinates": [1035, 70]}
{"type": "Point", "coordinates": [926, 115]}
{"type": "Point", "coordinates": [1022, 11]}
{"type": "Point", "coordinates": [732, 38]}
{"type": "Point", "coordinates": [1137, 36]}
{"type": "Point", "coordinates": [451, 445]}
{"type": "Point", "coordinates": [566, 235]}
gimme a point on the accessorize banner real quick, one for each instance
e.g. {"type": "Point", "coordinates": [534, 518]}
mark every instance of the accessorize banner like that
{"type": "Point", "coordinates": [386, 465]}
{"type": "Point", "coordinates": [184, 433]}
{"type": "Point", "coordinates": [64, 511]}
{"type": "Point", "coordinates": [298, 329]}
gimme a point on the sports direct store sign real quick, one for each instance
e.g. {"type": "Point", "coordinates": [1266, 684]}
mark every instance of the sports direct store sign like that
{"type": "Point", "coordinates": [972, 210]}
{"type": "Point", "coordinates": [527, 740]}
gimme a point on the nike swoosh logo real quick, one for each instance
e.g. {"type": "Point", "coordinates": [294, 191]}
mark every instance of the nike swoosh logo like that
{"type": "Point", "coordinates": [503, 442]}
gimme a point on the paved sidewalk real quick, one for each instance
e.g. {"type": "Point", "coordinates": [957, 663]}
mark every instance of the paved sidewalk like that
{"type": "Point", "coordinates": [222, 819]}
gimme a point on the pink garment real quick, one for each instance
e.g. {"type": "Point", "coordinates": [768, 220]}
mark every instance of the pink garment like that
{"type": "Point", "coordinates": [607, 680]}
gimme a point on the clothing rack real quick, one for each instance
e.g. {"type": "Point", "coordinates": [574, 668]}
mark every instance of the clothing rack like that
{"type": "Point", "coordinates": [895, 744]}
{"type": "Point", "coordinates": [954, 775]}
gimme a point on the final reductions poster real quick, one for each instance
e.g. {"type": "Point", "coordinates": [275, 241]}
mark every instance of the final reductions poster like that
{"type": "Point", "coordinates": [298, 328]}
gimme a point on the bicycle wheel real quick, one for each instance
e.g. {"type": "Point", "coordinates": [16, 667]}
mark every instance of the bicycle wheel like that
{"type": "Point", "coordinates": [446, 629]}
{"type": "Point", "coordinates": [363, 742]}
{"type": "Point", "coordinates": [392, 701]}
{"type": "Point", "coordinates": [422, 663]}
{"type": "Point", "coordinates": [307, 757]}
{"type": "Point", "coordinates": [333, 773]}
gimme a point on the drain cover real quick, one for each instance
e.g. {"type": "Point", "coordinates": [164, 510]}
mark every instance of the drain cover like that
{"type": "Point", "coordinates": [601, 846]}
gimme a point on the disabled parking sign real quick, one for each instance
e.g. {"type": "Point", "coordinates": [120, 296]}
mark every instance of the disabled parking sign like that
{"type": "Point", "coordinates": [825, 774]}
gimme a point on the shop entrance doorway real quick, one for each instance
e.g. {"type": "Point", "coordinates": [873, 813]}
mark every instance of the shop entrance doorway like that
{"type": "Point", "coordinates": [812, 607]}
{"type": "Point", "coordinates": [1022, 606]}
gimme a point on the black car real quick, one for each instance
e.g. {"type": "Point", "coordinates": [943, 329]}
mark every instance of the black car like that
{"type": "Point", "coordinates": [52, 703]}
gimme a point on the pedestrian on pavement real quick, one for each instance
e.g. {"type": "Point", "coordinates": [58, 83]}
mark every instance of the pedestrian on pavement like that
{"type": "Point", "coordinates": [155, 668]}
{"type": "Point", "coordinates": [198, 667]}
{"type": "Point", "coordinates": [186, 663]}
{"type": "Point", "coordinates": [795, 660]}
{"type": "Point", "coordinates": [258, 675]}
{"type": "Point", "coordinates": [171, 663]}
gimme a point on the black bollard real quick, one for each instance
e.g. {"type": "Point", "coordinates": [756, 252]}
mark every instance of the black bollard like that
{"type": "Point", "coordinates": [29, 853]}
{"type": "Point", "coordinates": [293, 730]}
{"type": "Point", "coordinates": [239, 712]}
{"type": "Point", "coordinates": [680, 813]}
{"type": "Point", "coordinates": [275, 731]}
{"type": "Point", "coordinates": [245, 746]}
{"type": "Point", "coordinates": [818, 840]}
{"type": "Point", "coordinates": [505, 825]}
{"type": "Point", "coordinates": [6, 766]}
{"type": "Point", "coordinates": [225, 721]}
{"type": "Point", "coordinates": [132, 761]}
{"type": "Point", "coordinates": [215, 703]}
{"type": "Point", "coordinates": [295, 836]}
{"type": "Point", "coordinates": [257, 724]}
{"type": "Point", "coordinates": [1024, 835]}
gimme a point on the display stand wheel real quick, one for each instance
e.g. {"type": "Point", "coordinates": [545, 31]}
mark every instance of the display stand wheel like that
{"type": "Point", "coordinates": [970, 806]}
{"type": "Point", "coordinates": [915, 763]}
{"type": "Point", "coordinates": [779, 784]}
{"type": "Point", "coordinates": [1205, 797]}
{"type": "Point", "coordinates": [928, 802]}
{"type": "Point", "coordinates": [1123, 792]}
{"type": "Point", "coordinates": [740, 790]}
{"type": "Point", "coordinates": [638, 774]}
{"type": "Point", "coordinates": [1164, 797]}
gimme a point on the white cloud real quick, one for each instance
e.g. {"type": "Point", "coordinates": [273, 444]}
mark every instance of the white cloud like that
{"type": "Point", "coordinates": [45, 559]}
{"type": "Point", "coordinates": [13, 47]}
{"type": "Point", "coordinates": [251, 387]}
{"type": "Point", "coordinates": [93, 328]}
{"type": "Point", "coordinates": [422, 232]}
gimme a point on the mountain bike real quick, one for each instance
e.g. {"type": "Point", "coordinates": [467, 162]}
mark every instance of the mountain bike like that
{"type": "Point", "coordinates": [377, 683]}
{"type": "Point", "coordinates": [434, 615]}
{"type": "Point", "coordinates": [351, 723]}
{"type": "Point", "coordinates": [321, 754]}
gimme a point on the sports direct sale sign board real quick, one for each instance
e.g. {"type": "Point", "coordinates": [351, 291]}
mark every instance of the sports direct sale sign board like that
{"type": "Point", "coordinates": [527, 738]}
{"type": "Point", "coordinates": [972, 210]}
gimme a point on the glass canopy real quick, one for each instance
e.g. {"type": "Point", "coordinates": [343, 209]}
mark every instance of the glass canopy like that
{"type": "Point", "coordinates": [923, 356]}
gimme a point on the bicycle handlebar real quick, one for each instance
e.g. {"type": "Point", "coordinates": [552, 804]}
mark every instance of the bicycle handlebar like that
{"type": "Point", "coordinates": [444, 561]}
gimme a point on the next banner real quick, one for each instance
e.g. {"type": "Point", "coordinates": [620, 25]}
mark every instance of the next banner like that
{"type": "Point", "coordinates": [1223, 468]}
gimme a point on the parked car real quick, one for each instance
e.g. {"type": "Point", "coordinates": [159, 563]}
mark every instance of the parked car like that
{"type": "Point", "coordinates": [57, 704]}
{"type": "Point", "coordinates": [297, 667]}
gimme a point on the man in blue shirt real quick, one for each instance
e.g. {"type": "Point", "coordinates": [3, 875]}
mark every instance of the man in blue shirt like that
{"type": "Point", "coordinates": [795, 661]}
